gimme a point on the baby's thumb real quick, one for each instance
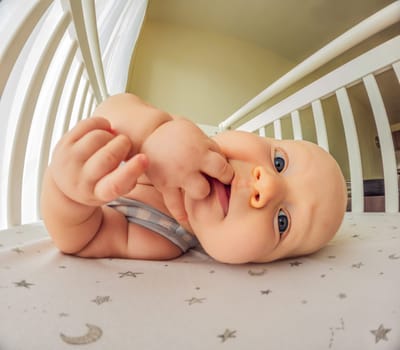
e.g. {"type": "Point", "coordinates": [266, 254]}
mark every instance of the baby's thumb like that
{"type": "Point", "coordinates": [121, 180]}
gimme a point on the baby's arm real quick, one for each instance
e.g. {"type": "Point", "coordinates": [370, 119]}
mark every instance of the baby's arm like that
{"type": "Point", "coordinates": [85, 174]}
{"type": "Point", "coordinates": [179, 153]}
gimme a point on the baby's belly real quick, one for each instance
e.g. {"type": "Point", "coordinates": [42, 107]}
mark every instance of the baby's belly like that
{"type": "Point", "coordinates": [148, 194]}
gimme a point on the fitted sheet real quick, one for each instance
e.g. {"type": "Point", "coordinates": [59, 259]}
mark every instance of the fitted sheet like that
{"type": "Point", "coordinates": [346, 296]}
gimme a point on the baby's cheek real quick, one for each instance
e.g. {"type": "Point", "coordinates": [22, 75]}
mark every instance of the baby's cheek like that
{"type": "Point", "coordinates": [236, 244]}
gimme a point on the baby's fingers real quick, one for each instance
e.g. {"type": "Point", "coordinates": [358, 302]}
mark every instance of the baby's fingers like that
{"type": "Point", "coordinates": [107, 158]}
{"type": "Point", "coordinates": [216, 166]}
{"type": "Point", "coordinates": [87, 125]}
{"type": "Point", "coordinates": [196, 186]}
{"type": "Point", "coordinates": [122, 180]}
{"type": "Point", "coordinates": [173, 199]}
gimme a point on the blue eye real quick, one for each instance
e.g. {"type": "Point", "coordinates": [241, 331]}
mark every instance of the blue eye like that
{"type": "Point", "coordinates": [279, 162]}
{"type": "Point", "coordinates": [283, 222]}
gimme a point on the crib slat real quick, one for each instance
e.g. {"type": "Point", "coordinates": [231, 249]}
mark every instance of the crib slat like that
{"type": "Point", "coordinates": [49, 116]}
{"type": "Point", "coordinates": [15, 32]}
{"type": "Point", "coordinates": [89, 10]}
{"type": "Point", "coordinates": [89, 102]}
{"type": "Point", "coordinates": [80, 102]}
{"type": "Point", "coordinates": [377, 59]}
{"type": "Point", "coordinates": [386, 144]}
{"type": "Point", "coordinates": [277, 129]}
{"type": "Point", "coordinates": [261, 132]}
{"type": "Point", "coordinates": [296, 125]}
{"type": "Point", "coordinates": [396, 68]}
{"type": "Point", "coordinates": [92, 108]}
{"type": "Point", "coordinates": [320, 126]}
{"type": "Point", "coordinates": [118, 52]}
{"type": "Point", "coordinates": [353, 151]}
{"type": "Point", "coordinates": [72, 96]}
{"type": "Point", "coordinates": [374, 24]}
{"type": "Point", "coordinates": [23, 107]}
{"type": "Point", "coordinates": [85, 103]}
{"type": "Point", "coordinates": [83, 11]}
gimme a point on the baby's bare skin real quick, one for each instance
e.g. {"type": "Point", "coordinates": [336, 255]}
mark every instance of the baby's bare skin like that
{"type": "Point", "coordinates": [283, 198]}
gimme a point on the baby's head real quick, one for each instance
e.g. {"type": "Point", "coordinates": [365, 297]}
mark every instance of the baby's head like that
{"type": "Point", "coordinates": [287, 198]}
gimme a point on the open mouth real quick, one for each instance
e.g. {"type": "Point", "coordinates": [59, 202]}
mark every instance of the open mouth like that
{"type": "Point", "coordinates": [223, 193]}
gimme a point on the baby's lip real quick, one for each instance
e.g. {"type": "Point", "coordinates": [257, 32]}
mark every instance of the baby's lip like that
{"type": "Point", "coordinates": [223, 193]}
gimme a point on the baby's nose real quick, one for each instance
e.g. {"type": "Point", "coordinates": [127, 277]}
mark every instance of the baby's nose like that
{"type": "Point", "coordinates": [267, 187]}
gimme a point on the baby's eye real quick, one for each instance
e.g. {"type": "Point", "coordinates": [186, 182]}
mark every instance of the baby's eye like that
{"type": "Point", "coordinates": [283, 222]}
{"type": "Point", "coordinates": [279, 161]}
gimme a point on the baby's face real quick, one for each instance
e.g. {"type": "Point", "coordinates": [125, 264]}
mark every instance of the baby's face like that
{"type": "Point", "coordinates": [287, 198]}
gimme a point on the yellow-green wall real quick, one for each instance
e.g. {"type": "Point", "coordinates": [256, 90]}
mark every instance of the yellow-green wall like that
{"type": "Point", "coordinates": [201, 75]}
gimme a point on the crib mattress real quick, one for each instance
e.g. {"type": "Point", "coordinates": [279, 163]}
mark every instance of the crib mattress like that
{"type": "Point", "coordinates": [344, 297]}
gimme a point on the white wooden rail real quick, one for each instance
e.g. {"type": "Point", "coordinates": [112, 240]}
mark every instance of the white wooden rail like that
{"type": "Point", "coordinates": [58, 59]}
{"type": "Point", "coordinates": [360, 70]}
{"type": "Point", "coordinates": [362, 31]}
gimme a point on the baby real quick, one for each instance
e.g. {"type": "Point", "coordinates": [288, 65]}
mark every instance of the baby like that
{"type": "Point", "coordinates": [135, 182]}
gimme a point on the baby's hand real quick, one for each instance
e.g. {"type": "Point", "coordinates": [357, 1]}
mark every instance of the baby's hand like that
{"type": "Point", "coordinates": [86, 163]}
{"type": "Point", "coordinates": [180, 156]}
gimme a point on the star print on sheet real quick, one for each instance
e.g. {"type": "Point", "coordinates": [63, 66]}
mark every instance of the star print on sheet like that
{"type": "Point", "coordinates": [394, 256]}
{"type": "Point", "coordinates": [227, 335]}
{"type": "Point", "coordinates": [129, 274]}
{"type": "Point", "coordinates": [357, 266]}
{"type": "Point", "coordinates": [333, 331]}
{"type": "Point", "coordinates": [101, 299]}
{"type": "Point", "coordinates": [194, 300]}
{"type": "Point", "coordinates": [18, 250]}
{"type": "Point", "coordinates": [266, 292]}
{"type": "Point", "coordinates": [24, 284]}
{"type": "Point", "coordinates": [380, 333]}
{"type": "Point", "coordinates": [295, 263]}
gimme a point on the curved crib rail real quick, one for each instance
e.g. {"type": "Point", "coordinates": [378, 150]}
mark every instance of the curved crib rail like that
{"type": "Point", "coordinates": [58, 59]}
{"type": "Point", "coordinates": [362, 31]}
{"type": "Point", "coordinates": [362, 69]}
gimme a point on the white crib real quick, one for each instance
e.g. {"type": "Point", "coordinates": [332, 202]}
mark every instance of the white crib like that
{"type": "Point", "coordinates": [58, 59]}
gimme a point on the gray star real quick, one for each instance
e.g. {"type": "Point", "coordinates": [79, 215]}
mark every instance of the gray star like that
{"type": "Point", "coordinates": [129, 274]}
{"type": "Point", "coordinates": [18, 250]}
{"type": "Point", "coordinates": [394, 256]}
{"type": "Point", "coordinates": [266, 292]}
{"type": "Point", "coordinates": [194, 300]}
{"type": "Point", "coordinates": [342, 296]}
{"type": "Point", "coordinates": [295, 263]}
{"type": "Point", "coordinates": [380, 333]}
{"type": "Point", "coordinates": [102, 299]}
{"type": "Point", "coordinates": [226, 335]}
{"type": "Point", "coordinates": [24, 284]}
{"type": "Point", "coordinates": [357, 265]}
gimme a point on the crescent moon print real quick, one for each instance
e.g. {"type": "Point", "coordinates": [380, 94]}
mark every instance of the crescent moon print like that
{"type": "Point", "coordinates": [259, 272]}
{"type": "Point", "coordinates": [93, 334]}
